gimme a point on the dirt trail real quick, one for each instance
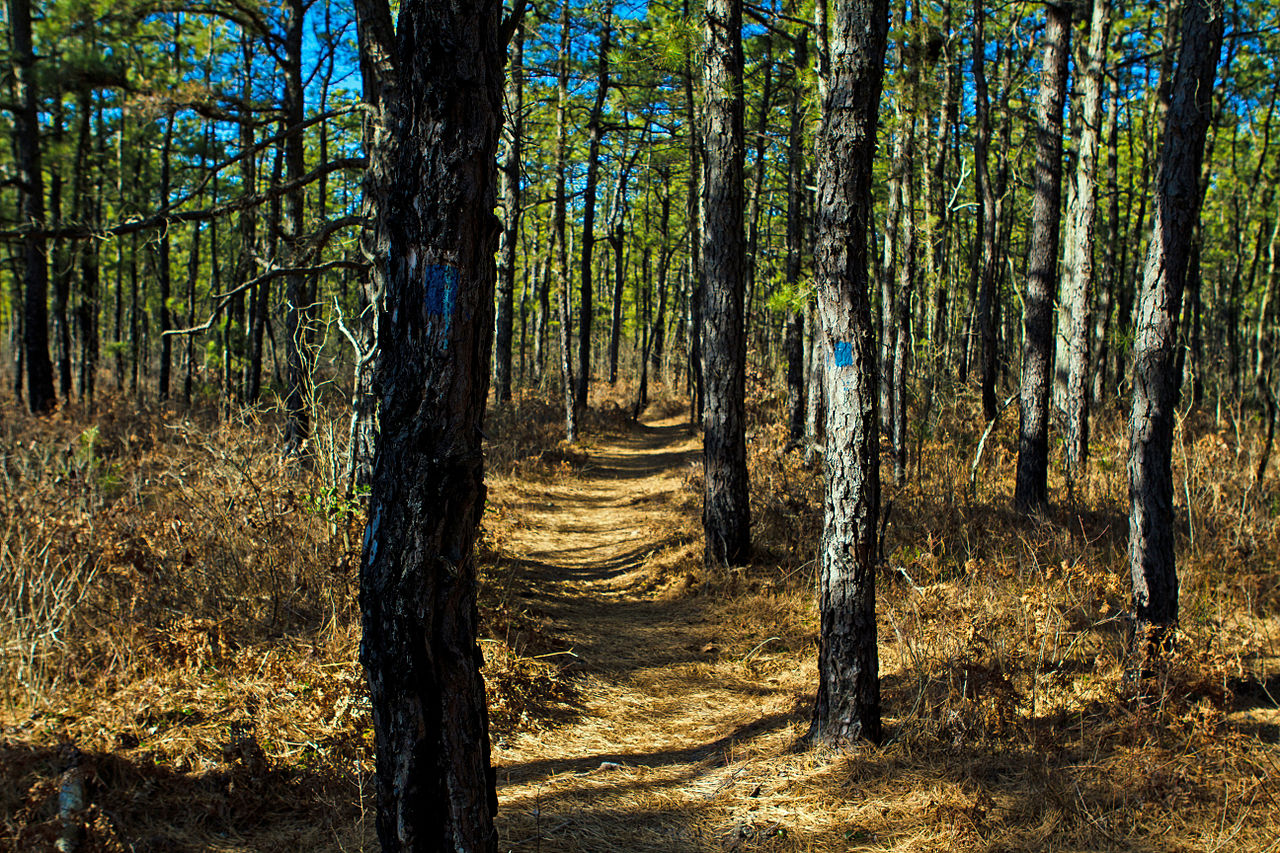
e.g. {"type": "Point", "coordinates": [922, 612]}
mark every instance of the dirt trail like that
{"type": "Point", "coordinates": [641, 766]}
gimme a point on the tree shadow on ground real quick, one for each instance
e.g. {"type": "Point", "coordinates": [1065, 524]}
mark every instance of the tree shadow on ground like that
{"type": "Point", "coordinates": [135, 803]}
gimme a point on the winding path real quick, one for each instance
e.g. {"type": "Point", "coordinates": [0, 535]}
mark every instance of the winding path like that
{"type": "Point", "coordinates": [640, 767]}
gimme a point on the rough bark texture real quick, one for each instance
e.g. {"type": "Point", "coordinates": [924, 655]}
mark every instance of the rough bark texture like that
{"type": "Point", "coordinates": [299, 393]}
{"type": "Point", "coordinates": [793, 335]}
{"type": "Point", "coordinates": [985, 310]}
{"type": "Point", "coordinates": [848, 701]}
{"type": "Point", "coordinates": [658, 338]}
{"type": "Point", "coordinates": [1111, 267]}
{"type": "Point", "coordinates": [560, 236]}
{"type": "Point", "coordinates": [937, 213]}
{"type": "Point", "coordinates": [595, 126]}
{"type": "Point", "coordinates": [618, 243]}
{"type": "Point", "coordinates": [35, 265]}
{"type": "Point", "coordinates": [1031, 490]}
{"type": "Point", "coordinates": [906, 270]}
{"type": "Point", "coordinates": [417, 593]}
{"type": "Point", "coordinates": [1077, 268]}
{"type": "Point", "coordinates": [726, 515]}
{"type": "Point", "coordinates": [376, 33]}
{"type": "Point", "coordinates": [1155, 383]}
{"type": "Point", "coordinates": [511, 219]}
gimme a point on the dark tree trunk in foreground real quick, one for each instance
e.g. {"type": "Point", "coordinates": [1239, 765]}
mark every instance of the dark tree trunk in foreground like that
{"type": "Point", "coordinates": [1031, 490]}
{"type": "Point", "coordinates": [726, 516]}
{"type": "Point", "coordinates": [1155, 381]}
{"type": "Point", "coordinates": [417, 591]}
{"type": "Point", "coordinates": [511, 221]}
{"type": "Point", "coordinates": [35, 262]}
{"type": "Point", "coordinates": [848, 702]}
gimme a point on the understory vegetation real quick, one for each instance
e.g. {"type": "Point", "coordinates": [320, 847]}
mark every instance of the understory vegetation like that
{"type": "Point", "coordinates": [180, 626]}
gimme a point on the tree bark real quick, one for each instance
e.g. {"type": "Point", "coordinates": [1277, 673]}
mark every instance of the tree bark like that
{"type": "Point", "coordinates": [595, 126]}
{"type": "Point", "coordinates": [1077, 268]}
{"type": "Point", "coordinates": [165, 264]}
{"type": "Point", "coordinates": [511, 218]}
{"type": "Point", "coordinates": [561, 230]}
{"type": "Point", "coordinates": [985, 310]}
{"type": "Point", "coordinates": [726, 515]}
{"type": "Point", "coordinates": [693, 219]}
{"type": "Point", "coordinates": [618, 243]}
{"type": "Point", "coordinates": [61, 264]}
{"type": "Point", "coordinates": [848, 701]}
{"type": "Point", "coordinates": [1155, 384]}
{"type": "Point", "coordinates": [35, 261]}
{"type": "Point", "coordinates": [299, 392]}
{"type": "Point", "coordinates": [906, 240]}
{"type": "Point", "coordinates": [793, 335]}
{"type": "Point", "coordinates": [1031, 490]}
{"type": "Point", "coordinates": [418, 588]}
{"type": "Point", "coordinates": [1111, 268]}
{"type": "Point", "coordinates": [659, 336]}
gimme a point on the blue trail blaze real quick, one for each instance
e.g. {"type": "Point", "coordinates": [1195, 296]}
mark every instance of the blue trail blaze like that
{"type": "Point", "coordinates": [843, 354]}
{"type": "Point", "coordinates": [440, 291]}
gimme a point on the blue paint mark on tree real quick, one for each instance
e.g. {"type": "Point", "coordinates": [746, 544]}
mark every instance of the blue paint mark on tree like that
{"type": "Point", "coordinates": [440, 290]}
{"type": "Point", "coordinates": [843, 354]}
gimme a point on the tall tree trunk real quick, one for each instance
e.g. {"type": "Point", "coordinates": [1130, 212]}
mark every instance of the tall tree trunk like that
{"type": "Point", "coordinates": [1155, 385]}
{"type": "Point", "coordinates": [937, 214]}
{"type": "Point", "coordinates": [118, 336]}
{"type": "Point", "coordinates": [1031, 490]}
{"type": "Point", "coordinates": [761, 139]}
{"type": "Point", "coordinates": [542, 320]}
{"type": "Point", "coordinates": [61, 263]}
{"type": "Point", "coordinates": [380, 84]}
{"type": "Point", "coordinates": [514, 131]}
{"type": "Point", "coordinates": [165, 264]}
{"type": "Point", "coordinates": [1077, 268]}
{"type": "Point", "coordinates": [793, 336]}
{"type": "Point", "coordinates": [247, 219]}
{"type": "Point", "coordinates": [906, 240]}
{"type": "Point", "coordinates": [890, 255]}
{"type": "Point", "coordinates": [986, 308]}
{"type": "Point", "coordinates": [87, 207]}
{"type": "Point", "coordinates": [135, 320]}
{"type": "Point", "coordinates": [561, 231]}
{"type": "Point", "coordinates": [35, 261]}
{"type": "Point", "coordinates": [418, 586]}
{"type": "Point", "coordinates": [658, 338]}
{"type": "Point", "coordinates": [298, 308]}
{"type": "Point", "coordinates": [693, 220]}
{"type": "Point", "coordinates": [1111, 260]}
{"type": "Point", "coordinates": [595, 127]}
{"type": "Point", "coordinates": [193, 272]}
{"type": "Point", "coordinates": [726, 514]}
{"type": "Point", "coordinates": [617, 217]}
{"type": "Point", "coordinates": [848, 701]}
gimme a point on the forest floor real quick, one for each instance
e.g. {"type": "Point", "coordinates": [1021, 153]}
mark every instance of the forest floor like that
{"type": "Point", "coordinates": [179, 632]}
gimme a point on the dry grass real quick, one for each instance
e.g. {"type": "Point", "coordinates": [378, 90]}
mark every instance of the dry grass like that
{"type": "Point", "coordinates": [179, 624]}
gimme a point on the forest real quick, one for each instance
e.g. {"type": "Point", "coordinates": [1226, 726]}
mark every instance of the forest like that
{"type": "Point", "coordinates": [780, 425]}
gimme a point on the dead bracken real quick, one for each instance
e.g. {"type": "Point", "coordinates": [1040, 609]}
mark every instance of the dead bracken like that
{"type": "Point", "coordinates": [187, 646]}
